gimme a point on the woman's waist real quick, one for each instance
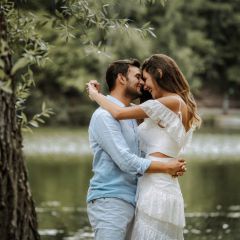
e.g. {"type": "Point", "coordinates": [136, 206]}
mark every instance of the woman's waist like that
{"type": "Point", "coordinates": [160, 157]}
{"type": "Point", "coordinates": [160, 179]}
{"type": "Point", "coordinates": [161, 151]}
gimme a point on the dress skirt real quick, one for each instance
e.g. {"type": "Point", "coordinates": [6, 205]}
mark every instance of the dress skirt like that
{"type": "Point", "coordinates": [160, 207]}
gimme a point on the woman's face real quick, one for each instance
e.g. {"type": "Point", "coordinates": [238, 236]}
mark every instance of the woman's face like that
{"type": "Point", "coordinates": [151, 85]}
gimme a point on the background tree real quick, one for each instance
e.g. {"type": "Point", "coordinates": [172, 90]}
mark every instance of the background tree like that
{"type": "Point", "coordinates": [222, 27]}
{"type": "Point", "coordinates": [197, 35]}
{"type": "Point", "coordinates": [17, 215]}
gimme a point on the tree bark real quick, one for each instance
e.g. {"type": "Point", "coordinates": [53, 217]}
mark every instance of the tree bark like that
{"type": "Point", "coordinates": [18, 219]}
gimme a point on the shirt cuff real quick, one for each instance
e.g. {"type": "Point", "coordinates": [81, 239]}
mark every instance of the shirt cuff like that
{"type": "Point", "coordinates": [145, 165]}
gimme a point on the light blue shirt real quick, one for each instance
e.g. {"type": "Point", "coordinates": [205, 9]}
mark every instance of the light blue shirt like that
{"type": "Point", "coordinates": [116, 161]}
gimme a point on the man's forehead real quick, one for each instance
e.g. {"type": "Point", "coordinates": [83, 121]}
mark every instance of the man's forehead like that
{"type": "Point", "coordinates": [134, 70]}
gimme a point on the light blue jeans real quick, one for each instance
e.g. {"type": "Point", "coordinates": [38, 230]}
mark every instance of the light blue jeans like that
{"type": "Point", "coordinates": [111, 218]}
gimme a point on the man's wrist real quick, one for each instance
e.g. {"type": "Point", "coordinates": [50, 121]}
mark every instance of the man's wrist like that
{"type": "Point", "coordinates": [158, 167]}
{"type": "Point", "coordinates": [163, 167]}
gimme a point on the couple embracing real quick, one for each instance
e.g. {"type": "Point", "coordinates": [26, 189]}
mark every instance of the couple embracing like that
{"type": "Point", "coordinates": [134, 193]}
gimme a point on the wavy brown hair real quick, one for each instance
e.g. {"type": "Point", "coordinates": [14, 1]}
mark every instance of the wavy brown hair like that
{"type": "Point", "coordinates": [172, 80]}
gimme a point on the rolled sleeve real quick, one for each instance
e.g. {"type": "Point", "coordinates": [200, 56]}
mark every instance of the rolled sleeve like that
{"type": "Point", "coordinates": [108, 134]}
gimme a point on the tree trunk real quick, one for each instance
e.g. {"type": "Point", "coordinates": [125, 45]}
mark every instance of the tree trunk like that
{"type": "Point", "coordinates": [18, 219]}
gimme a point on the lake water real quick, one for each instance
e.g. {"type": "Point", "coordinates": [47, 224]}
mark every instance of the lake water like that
{"type": "Point", "coordinates": [59, 164]}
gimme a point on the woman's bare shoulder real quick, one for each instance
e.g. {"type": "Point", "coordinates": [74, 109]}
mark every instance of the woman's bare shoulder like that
{"type": "Point", "coordinates": [172, 102]}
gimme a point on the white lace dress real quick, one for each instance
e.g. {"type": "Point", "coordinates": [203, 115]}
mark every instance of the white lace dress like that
{"type": "Point", "coordinates": [160, 207]}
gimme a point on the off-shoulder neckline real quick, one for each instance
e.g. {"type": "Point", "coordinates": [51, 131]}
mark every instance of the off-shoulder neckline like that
{"type": "Point", "coordinates": [175, 114]}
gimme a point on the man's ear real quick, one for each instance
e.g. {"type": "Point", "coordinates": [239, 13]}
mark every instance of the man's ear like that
{"type": "Point", "coordinates": [122, 79]}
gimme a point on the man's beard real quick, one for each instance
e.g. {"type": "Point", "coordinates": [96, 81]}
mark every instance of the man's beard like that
{"type": "Point", "coordinates": [132, 93]}
{"type": "Point", "coordinates": [143, 95]}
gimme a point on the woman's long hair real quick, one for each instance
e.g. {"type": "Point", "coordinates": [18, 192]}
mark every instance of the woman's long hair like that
{"type": "Point", "coordinates": [170, 78]}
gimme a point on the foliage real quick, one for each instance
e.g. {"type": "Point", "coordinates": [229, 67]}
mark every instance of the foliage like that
{"type": "Point", "coordinates": [223, 29]}
{"type": "Point", "coordinates": [27, 49]}
{"type": "Point", "coordinates": [202, 36]}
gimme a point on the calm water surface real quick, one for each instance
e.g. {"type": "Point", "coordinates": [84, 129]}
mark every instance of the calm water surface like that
{"type": "Point", "coordinates": [59, 166]}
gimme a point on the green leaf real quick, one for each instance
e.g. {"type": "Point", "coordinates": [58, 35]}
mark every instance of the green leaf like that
{"type": "Point", "coordinates": [40, 120]}
{"type": "Point", "coordinates": [27, 129]}
{"type": "Point", "coordinates": [152, 33]}
{"type": "Point", "coordinates": [46, 115]}
{"type": "Point", "coordinates": [105, 6]}
{"type": "Point", "coordinates": [34, 123]}
{"type": "Point", "coordinates": [43, 106]}
{"type": "Point", "coordinates": [145, 25]}
{"type": "Point", "coordinates": [6, 86]}
{"type": "Point", "coordinates": [2, 74]}
{"type": "Point", "coordinates": [21, 63]}
{"type": "Point", "coordinates": [24, 117]}
{"type": "Point", "coordinates": [2, 64]}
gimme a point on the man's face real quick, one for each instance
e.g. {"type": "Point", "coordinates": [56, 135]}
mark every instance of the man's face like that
{"type": "Point", "coordinates": [135, 82]}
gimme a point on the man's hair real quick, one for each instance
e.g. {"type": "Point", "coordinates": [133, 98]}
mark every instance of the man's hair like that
{"type": "Point", "coordinates": [119, 66]}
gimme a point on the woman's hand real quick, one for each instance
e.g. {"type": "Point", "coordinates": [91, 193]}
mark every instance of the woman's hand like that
{"type": "Point", "coordinates": [93, 88]}
{"type": "Point", "coordinates": [96, 84]}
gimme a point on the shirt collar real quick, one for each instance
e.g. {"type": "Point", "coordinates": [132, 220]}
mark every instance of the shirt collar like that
{"type": "Point", "coordinates": [115, 100]}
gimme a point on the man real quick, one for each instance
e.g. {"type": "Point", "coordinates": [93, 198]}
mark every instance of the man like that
{"type": "Point", "coordinates": [117, 162]}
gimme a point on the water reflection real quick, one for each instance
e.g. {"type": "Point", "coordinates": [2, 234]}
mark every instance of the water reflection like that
{"type": "Point", "coordinates": [59, 184]}
{"type": "Point", "coordinates": [57, 141]}
{"type": "Point", "coordinates": [207, 144]}
{"type": "Point", "coordinates": [59, 180]}
{"type": "Point", "coordinates": [211, 185]}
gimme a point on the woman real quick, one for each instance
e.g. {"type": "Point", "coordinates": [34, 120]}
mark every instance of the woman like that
{"type": "Point", "coordinates": [169, 120]}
